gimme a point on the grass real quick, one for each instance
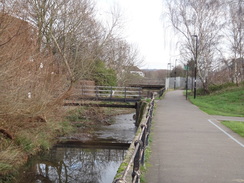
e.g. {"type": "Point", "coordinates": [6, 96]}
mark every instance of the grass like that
{"type": "Point", "coordinates": [11, 157]}
{"type": "Point", "coordinates": [226, 102]}
{"type": "Point", "coordinates": [237, 127]}
{"type": "Point", "coordinates": [27, 142]}
{"type": "Point", "coordinates": [146, 163]}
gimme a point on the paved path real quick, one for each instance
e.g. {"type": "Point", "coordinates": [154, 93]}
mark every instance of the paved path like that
{"type": "Point", "coordinates": [190, 146]}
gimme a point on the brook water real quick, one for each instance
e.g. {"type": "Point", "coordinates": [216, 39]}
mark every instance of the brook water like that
{"type": "Point", "coordinates": [75, 162]}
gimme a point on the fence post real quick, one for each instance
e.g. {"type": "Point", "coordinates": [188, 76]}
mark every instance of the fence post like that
{"type": "Point", "coordinates": [125, 94]}
{"type": "Point", "coordinates": [144, 143]}
{"type": "Point", "coordinates": [136, 167]}
{"type": "Point", "coordinates": [140, 92]}
{"type": "Point", "coordinates": [96, 88]}
{"type": "Point", "coordinates": [111, 92]}
{"type": "Point", "coordinates": [82, 90]}
{"type": "Point", "coordinates": [138, 110]}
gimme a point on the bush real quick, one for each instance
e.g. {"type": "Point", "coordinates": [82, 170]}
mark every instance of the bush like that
{"type": "Point", "coordinates": [215, 88]}
{"type": "Point", "coordinates": [104, 76]}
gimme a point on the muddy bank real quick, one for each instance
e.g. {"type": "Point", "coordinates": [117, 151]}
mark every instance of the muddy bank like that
{"type": "Point", "coordinates": [101, 125]}
{"type": "Point", "coordinates": [74, 161]}
{"type": "Point", "coordinates": [79, 126]}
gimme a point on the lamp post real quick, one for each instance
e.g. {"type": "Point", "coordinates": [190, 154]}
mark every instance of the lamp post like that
{"type": "Point", "coordinates": [168, 71]}
{"type": "Point", "coordinates": [175, 75]}
{"type": "Point", "coordinates": [195, 66]}
{"type": "Point", "coordinates": [168, 75]}
{"type": "Point", "coordinates": [186, 68]}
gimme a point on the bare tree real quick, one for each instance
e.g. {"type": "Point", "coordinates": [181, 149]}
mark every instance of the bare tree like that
{"type": "Point", "coordinates": [27, 80]}
{"type": "Point", "coordinates": [235, 36]}
{"type": "Point", "coordinates": [198, 20]}
{"type": "Point", "coordinates": [69, 32]}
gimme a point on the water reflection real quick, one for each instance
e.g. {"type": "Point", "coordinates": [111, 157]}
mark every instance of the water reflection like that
{"type": "Point", "coordinates": [71, 165]}
{"type": "Point", "coordinates": [75, 163]}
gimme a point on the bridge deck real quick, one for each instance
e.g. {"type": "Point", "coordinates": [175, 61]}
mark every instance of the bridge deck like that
{"type": "Point", "coordinates": [108, 93]}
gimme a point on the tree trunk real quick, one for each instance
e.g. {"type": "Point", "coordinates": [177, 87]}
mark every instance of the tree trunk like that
{"type": "Point", "coordinates": [66, 94]}
{"type": "Point", "coordinates": [205, 87]}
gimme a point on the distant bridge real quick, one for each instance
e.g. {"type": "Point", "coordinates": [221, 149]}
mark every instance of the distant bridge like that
{"type": "Point", "coordinates": [108, 93]}
{"type": "Point", "coordinates": [131, 95]}
{"type": "Point", "coordinates": [148, 84]}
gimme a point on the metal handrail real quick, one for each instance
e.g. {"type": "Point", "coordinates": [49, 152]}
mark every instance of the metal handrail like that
{"type": "Point", "coordinates": [138, 155]}
{"type": "Point", "coordinates": [110, 91]}
{"type": "Point", "coordinates": [117, 87]}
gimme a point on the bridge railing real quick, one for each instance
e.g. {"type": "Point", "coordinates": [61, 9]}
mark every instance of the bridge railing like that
{"type": "Point", "coordinates": [138, 156]}
{"type": "Point", "coordinates": [105, 92]}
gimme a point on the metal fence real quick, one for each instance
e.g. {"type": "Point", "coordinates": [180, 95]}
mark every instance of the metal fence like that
{"type": "Point", "coordinates": [138, 156]}
{"type": "Point", "coordinates": [180, 83]}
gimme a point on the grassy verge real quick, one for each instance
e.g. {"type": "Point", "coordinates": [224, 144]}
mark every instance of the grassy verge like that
{"type": "Point", "coordinates": [146, 163]}
{"type": "Point", "coordinates": [237, 127]}
{"type": "Point", "coordinates": [27, 142]}
{"type": "Point", "coordinates": [226, 102]}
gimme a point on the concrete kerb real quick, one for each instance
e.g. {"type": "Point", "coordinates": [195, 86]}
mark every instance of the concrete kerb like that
{"type": "Point", "coordinates": [228, 118]}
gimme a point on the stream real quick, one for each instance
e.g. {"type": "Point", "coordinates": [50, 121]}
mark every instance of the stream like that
{"type": "Point", "coordinates": [76, 162]}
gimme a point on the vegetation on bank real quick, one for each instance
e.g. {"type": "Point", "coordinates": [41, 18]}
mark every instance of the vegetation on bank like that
{"type": "Point", "coordinates": [237, 127]}
{"type": "Point", "coordinates": [226, 100]}
{"type": "Point", "coordinates": [144, 168]}
{"type": "Point", "coordinates": [33, 137]}
{"type": "Point", "coordinates": [27, 141]}
{"type": "Point", "coordinates": [89, 118]}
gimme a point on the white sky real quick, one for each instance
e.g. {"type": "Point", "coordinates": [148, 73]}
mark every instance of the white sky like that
{"type": "Point", "coordinates": [144, 27]}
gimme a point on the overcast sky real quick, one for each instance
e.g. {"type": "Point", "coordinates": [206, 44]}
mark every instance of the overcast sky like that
{"type": "Point", "coordinates": [144, 26]}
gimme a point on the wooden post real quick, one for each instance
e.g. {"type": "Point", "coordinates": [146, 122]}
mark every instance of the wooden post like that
{"type": "Point", "coordinates": [138, 107]}
{"type": "Point", "coordinates": [96, 89]}
{"type": "Point", "coordinates": [137, 160]}
{"type": "Point", "coordinates": [111, 92]}
{"type": "Point", "coordinates": [125, 94]}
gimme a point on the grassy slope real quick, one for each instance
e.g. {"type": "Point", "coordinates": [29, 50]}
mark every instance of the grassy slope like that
{"type": "Point", "coordinates": [237, 127]}
{"type": "Point", "coordinates": [227, 102]}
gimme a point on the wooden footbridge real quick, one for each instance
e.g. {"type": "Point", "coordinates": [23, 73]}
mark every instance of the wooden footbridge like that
{"type": "Point", "coordinates": [108, 93]}
{"type": "Point", "coordinates": [120, 97]}
{"type": "Point", "coordinates": [131, 94]}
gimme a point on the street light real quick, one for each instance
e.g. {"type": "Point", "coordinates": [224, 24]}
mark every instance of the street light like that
{"type": "Point", "coordinates": [175, 75]}
{"type": "Point", "coordinates": [168, 69]}
{"type": "Point", "coordinates": [195, 66]}
{"type": "Point", "coordinates": [186, 68]}
{"type": "Point", "coordinates": [168, 75]}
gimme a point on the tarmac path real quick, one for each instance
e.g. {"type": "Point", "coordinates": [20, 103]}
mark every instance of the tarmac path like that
{"type": "Point", "coordinates": [190, 146]}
